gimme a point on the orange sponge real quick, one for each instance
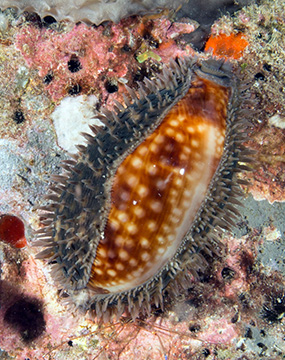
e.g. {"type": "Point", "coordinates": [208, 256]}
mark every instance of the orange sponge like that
{"type": "Point", "coordinates": [231, 46]}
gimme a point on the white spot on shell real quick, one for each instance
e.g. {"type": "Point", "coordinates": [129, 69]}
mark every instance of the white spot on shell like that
{"type": "Point", "coordinates": [132, 228]}
{"type": "Point", "coordinates": [152, 169]}
{"type": "Point", "coordinates": [174, 123]}
{"type": "Point", "coordinates": [111, 253]}
{"type": "Point", "coordinates": [154, 148]}
{"type": "Point", "coordinates": [138, 272]}
{"type": "Point", "coordinates": [123, 255]}
{"type": "Point", "coordinates": [161, 240]}
{"type": "Point", "coordinates": [179, 137]}
{"type": "Point", "coordinates": [190, 129]}
{"type": "Point", "coordinates": [183, 157]}
{"type": "Point", "coordinates": [98, 271]}
{"type": "Point", "coordinates": [119, 241]}
{"type": "Point", "coordinates": [173, 193]}
{"type": "Point", "coordinates": [123, 217]}
{"type": "Point", "coordinates": [159, 139]}
{"type": "Point", "coordinates": [194, 143]}
{"type": "Point", "coordinates": [112, 272]}
{"type": "Point", "coordinates": [170, 132]}
{"type": "Point", "coordinates": [178, 182]}
{"type": "Point", "coordinates": [161, 184]}
{"type": "Point", "coordinates": [137, 162]}
{"type": "Point", "coordinates": [142, 191]}
{"type": "Point", "coordinates": [144, 243]}
{"type": "Point", "coordinates": [139, 212]}
{"type": "Point", "coordinates": [133, 262]}
{"type": "Point", "coordinates": [152, 226]}
{"type": "Point", "coordinates": [175, 220]}
{"type": "Point", "coordinates": [132, 180]}
{"type": "Point", "coordinates": [171, 237]}
{"type": "Point", "coordinates": [166, 228]}
{"type": "Point", "coordinates": [188, 193]}
{"type": "Point", "coordinates": [177, 212]}
{"type": "Point", "coordinates": [125, 195]}
{"type": "Point", "coordinates": [156, 206]}
{"type": "Point", "coordinates": [201, 128]}
{"type": "Point", "coordinates": [142, 150]}
{"type": "Point", "coordinates": [119, 266]}
{"type": "Point", "coordinates": [129, 242]}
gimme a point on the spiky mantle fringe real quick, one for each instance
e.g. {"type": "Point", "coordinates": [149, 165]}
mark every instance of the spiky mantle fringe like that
{"type": "Point", "coordinates": [80, 202]}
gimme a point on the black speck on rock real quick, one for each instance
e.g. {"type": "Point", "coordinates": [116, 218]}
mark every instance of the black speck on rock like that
{"type": "Point", "coordinates": [194, 328]}
{"type": "Point", "coordinates": [248, 333]}
{"type": "Point", "coordinates": [111, 86]}
{"type": "Point", "coordinates": [18, 117]}
{"type": "Point", "coordinates": [206, 352]}
{"type": "Point", "coordinates": [228, 273]}
{"type": "Point", "coordinates": [26, 317]}
{"type": "Point", "coordinates": [274, 308]}
{"type": "Point", "coordinates": [74, 64]}
{"type": "Point", "coordinates": [126, 48]}
{"type": "Point", "coordinates": [48, 78]}
{"type": "Point", "coordinates": [259, 76]}
{"type": "Point", "coordinates": [74, 90]}
{"type": "Point", "coordinates": [267, 67]}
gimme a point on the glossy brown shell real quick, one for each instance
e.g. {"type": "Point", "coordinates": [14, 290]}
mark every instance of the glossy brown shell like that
{"type": "Point", "coordinates": [149, 193]}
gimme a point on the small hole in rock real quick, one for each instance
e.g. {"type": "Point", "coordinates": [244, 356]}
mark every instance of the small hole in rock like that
{"type": "Point", "coordinates": [18, 117]}
{"type": "Point", "coordinates": [74, 64]}
{"type": "Point", "coordinates": [48, 20]}
{"type": "Point", "coordinates": [111, 86]}
{"type": "Point", "coordinates": [48, 78]}
{"type": "Point", "coordinates": [74, 90]}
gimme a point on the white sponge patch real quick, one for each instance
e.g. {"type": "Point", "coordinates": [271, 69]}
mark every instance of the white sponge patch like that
{"type": "Point", "coordinates": [71, 117]}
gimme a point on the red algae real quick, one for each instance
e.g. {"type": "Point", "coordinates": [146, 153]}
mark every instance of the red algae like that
{"type": "Point", "coordinates": [12, 231]}
{"type": "Point", "coordinates": [103, 54]}
{"type": "Point", "coordinates": [49, 52]}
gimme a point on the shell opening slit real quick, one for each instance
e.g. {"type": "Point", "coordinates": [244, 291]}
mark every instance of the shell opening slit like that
{"type": "Point", "coordinates": [152, 188]}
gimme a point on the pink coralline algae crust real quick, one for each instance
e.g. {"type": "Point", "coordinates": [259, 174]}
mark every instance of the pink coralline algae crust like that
{"type": "Point", "coordinates": [220, 332]}
{"type": "Point", "coordinates": [103, 53]}
{"type": "Point", "coordinates": [268, 180]}
{"type": "Point", "coordinates": [237, 252]}
{"type": "Point", "coordinates": [211, 317]}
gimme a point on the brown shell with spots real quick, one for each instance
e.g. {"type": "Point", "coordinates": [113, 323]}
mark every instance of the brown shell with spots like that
{"type": "Point", "coordinates": [149, 193]}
